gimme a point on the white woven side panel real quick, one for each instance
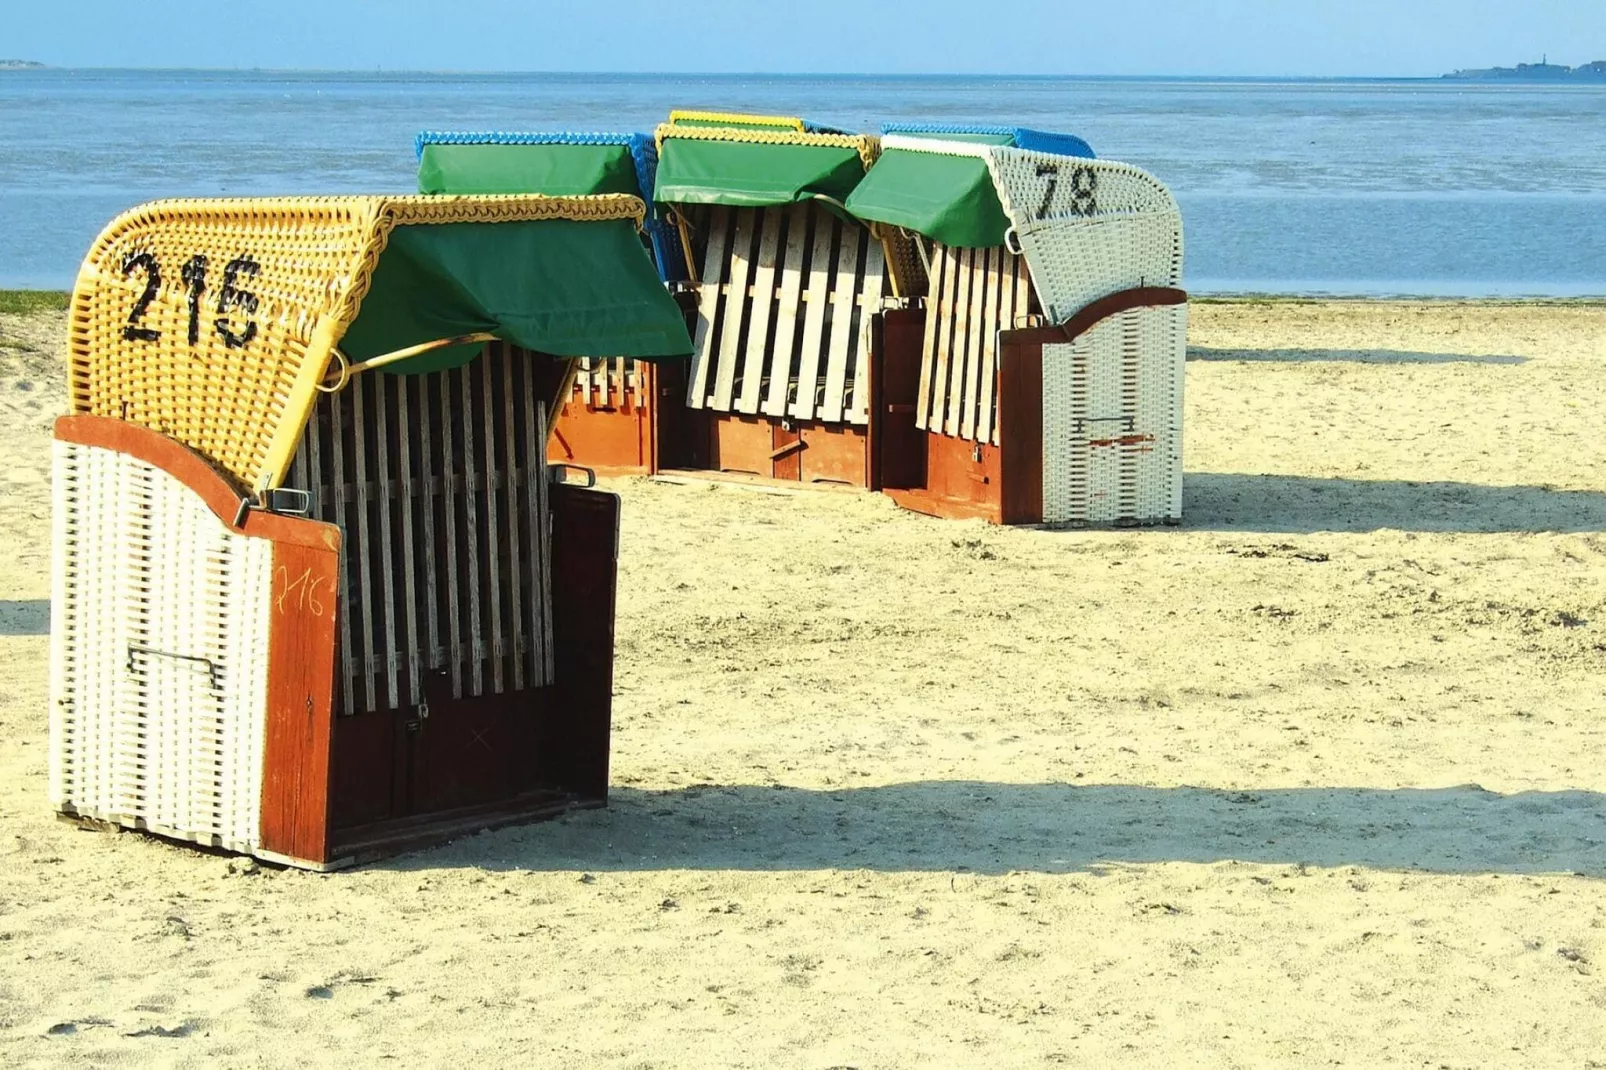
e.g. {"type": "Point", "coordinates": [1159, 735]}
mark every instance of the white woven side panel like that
{"type": "Point", "coordinates": [84, 667]}
{"type": "Point", "coordinates": [1088, 228]}
{"type": "Point", "coordinates": [144, 573]}
{"type": "Point", "coordinates": [1112, 421]}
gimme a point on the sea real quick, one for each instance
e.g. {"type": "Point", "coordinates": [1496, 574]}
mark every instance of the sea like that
{"type": "Point", "coordinates": [1288, 186]}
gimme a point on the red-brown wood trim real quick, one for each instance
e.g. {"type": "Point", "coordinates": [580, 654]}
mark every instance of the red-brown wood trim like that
{"type": "Point", "coordinates": [1020, 432]}
{"type": "Point", "coordinates": [919, 500]}
{"type": "Point", "coordinates": [301, 685]}
{"type": "Point", "coordinates": [1094, 313]}
{"type": "Point", "coordinates": [191, 469]}
{"type": "Point", "coordinates": [875, 355]}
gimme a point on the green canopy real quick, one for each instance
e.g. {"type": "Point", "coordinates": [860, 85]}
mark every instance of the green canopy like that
{"type": "Point", "coordinates": [753, 174]}
{"type": "Point", "coordinates": [555, 170]}
{"type": "Point", "coordinates": [950, 199]}
{"type": "Point", "coordinates": [565, 287]}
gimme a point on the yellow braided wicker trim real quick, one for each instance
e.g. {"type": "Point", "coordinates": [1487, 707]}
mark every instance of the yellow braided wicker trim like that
{"type": "Point", "coordinates": [505, 208]}
{"type": "Point", "coordinates": [867, 147]}
{"type": "Point", "coordinates": [213, 321]}
{"type": "Point", "coordinates": [785, 121]}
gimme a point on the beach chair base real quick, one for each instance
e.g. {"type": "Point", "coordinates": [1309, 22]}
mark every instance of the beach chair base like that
{"type": "Point", "coordinates": [1087, 428]}
{"type": "Point", "coordinates": [196, 669]}
{"type": "Point", "coordinates": [794, 451]}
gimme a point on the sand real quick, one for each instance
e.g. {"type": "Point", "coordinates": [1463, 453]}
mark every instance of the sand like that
{"type": "Point", "coordinates": [1314, 780]}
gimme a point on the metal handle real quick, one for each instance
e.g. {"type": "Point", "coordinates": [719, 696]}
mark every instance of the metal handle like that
{"type": "Point", "coordinates": [556, 473]}
{"type": "Point", "coordinates": [211, 666]}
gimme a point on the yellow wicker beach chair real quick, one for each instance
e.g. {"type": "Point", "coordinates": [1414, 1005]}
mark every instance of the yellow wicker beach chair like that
{"type": "Point", "coordinates": [315, 597]}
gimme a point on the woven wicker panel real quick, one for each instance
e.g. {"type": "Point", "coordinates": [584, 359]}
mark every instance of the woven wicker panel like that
{"type": "Point", "coordinates": [905, 263]}
{"type": "Point", "coordinates": [1089, 228]}
{"type": "Point", "coordinates": [867, 147]}
{"type": "Point", "coordinates": [1112, 421]}
{"type": "Point", "coordinates": [212, 321]}
{"type": "Point", "coordinates": [731, 118]}
{"type": "Point", "coordinates": [160, 654]}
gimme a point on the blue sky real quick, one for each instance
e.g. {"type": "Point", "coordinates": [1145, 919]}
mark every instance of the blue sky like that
{"type": "Point", "coordinates": [1167, 37]}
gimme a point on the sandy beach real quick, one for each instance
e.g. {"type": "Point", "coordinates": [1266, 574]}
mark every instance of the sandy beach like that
{"type": "Point", "coordinates": [1315, 779]}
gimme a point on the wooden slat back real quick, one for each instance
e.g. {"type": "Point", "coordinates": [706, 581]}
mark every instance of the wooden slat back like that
{"type": "Point", "coordinates": [874, 283]}
{"type": "Point", "coordinates": [783, 351]}
{"type": "Point", "coordinates": [439, 484]}
{"type": "Point", "coordinates": [611, 383]}
{"type": "Point", "coordinates": [756, 351]}
{"type": "Point", "coordinates": [975, 293]}
{"type": "Point", "coordinates": [710, 302]}
{"type": "Point", "coordinates": [737, 309]}
{"type": "Point", "coordinates": [784, 314]}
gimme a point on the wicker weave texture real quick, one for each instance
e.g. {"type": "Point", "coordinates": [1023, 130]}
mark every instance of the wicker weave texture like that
{"type": "Point", "coordinates": [729, 118]}
{"type": "Point", "coordinates": [160, 654]}
{"type": "Point", "coordinates": [1089, 228]}
{"type": "Point", "coordinates": [867, 147]}
{"type": "Point", "coordinates": [212, 321]}
{"type": "Point", "coordinates": [1112, 421]}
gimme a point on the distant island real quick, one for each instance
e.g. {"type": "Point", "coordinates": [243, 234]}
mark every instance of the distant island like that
{"type": "Point", "coordinates": [1543, 71]}
{"type": "Point", "coordinates": [20, 65]}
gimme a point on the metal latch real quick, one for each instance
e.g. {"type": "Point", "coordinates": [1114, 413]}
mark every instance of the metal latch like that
{"type": "Point", "coordinates": [558, 474]}
{"type": "Point", "coordinates": [287, 500]}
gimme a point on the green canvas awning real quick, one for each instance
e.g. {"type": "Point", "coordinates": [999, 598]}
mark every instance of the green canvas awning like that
{"type": "Point", "coordinates": [555, 170]}
{"type": "Point", "coordinates": [565, 287]}
{"type": "Point", "coordinates": [950, 199]}
{"type": "Point", "coordinates": [753, 174]}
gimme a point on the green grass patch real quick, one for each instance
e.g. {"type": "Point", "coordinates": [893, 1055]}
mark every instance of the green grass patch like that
{"type": "Point", "coordinates": [22, 302]}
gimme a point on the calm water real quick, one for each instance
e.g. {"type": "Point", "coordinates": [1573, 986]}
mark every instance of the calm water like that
{"type": "Point", "coordinates": [1295, 187]}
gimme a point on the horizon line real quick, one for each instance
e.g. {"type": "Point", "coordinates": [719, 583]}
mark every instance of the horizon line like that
{"type": "Point", "coordinates": [1005, 75]}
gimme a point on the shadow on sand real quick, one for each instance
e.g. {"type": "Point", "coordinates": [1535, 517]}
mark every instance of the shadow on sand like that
{"type": "Point", "coordinates": [30, 617]}
{"type": "Point", "coordinates": [1274, 503]}
{"type": "Point", "coordinates": [953, 826]}
{"type": "Point", "coordinates": [1345, 356]}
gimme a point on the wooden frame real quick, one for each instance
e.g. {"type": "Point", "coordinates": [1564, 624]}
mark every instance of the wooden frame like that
{"type": "Point", "coordinates": [355, 764]}
{"type": "Point", "coordinates": [995, 474]}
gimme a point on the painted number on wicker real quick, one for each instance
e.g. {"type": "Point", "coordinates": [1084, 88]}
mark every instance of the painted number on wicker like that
{"type": "Point", "coordinates": [229, 299]}
{"type": "Point", "coordinates": [1084, 185]}
{"type": "Point", "coordinates": [305, 587]}
{"type": "Point", "coordinates": [145, 262]}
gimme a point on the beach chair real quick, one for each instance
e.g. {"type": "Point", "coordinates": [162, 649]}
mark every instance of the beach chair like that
{"type": "Point", "coordinates": [610, 420]}
{"type": "Point", "coordinates": [1048, 383]}
{"type": "Point", "coordinates": [790, 293]}
{"type": "Point", "coordinates": [317, 597]}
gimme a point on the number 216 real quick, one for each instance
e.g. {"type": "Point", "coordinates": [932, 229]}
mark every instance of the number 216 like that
{"type": "Point", "coordinates": [229, 298]}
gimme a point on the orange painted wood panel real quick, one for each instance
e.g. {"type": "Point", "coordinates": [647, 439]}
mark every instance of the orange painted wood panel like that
{"type": "Point", "coordinates": [1020, 432]}
{"type": "Point", "coordinates": [301, 683]}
